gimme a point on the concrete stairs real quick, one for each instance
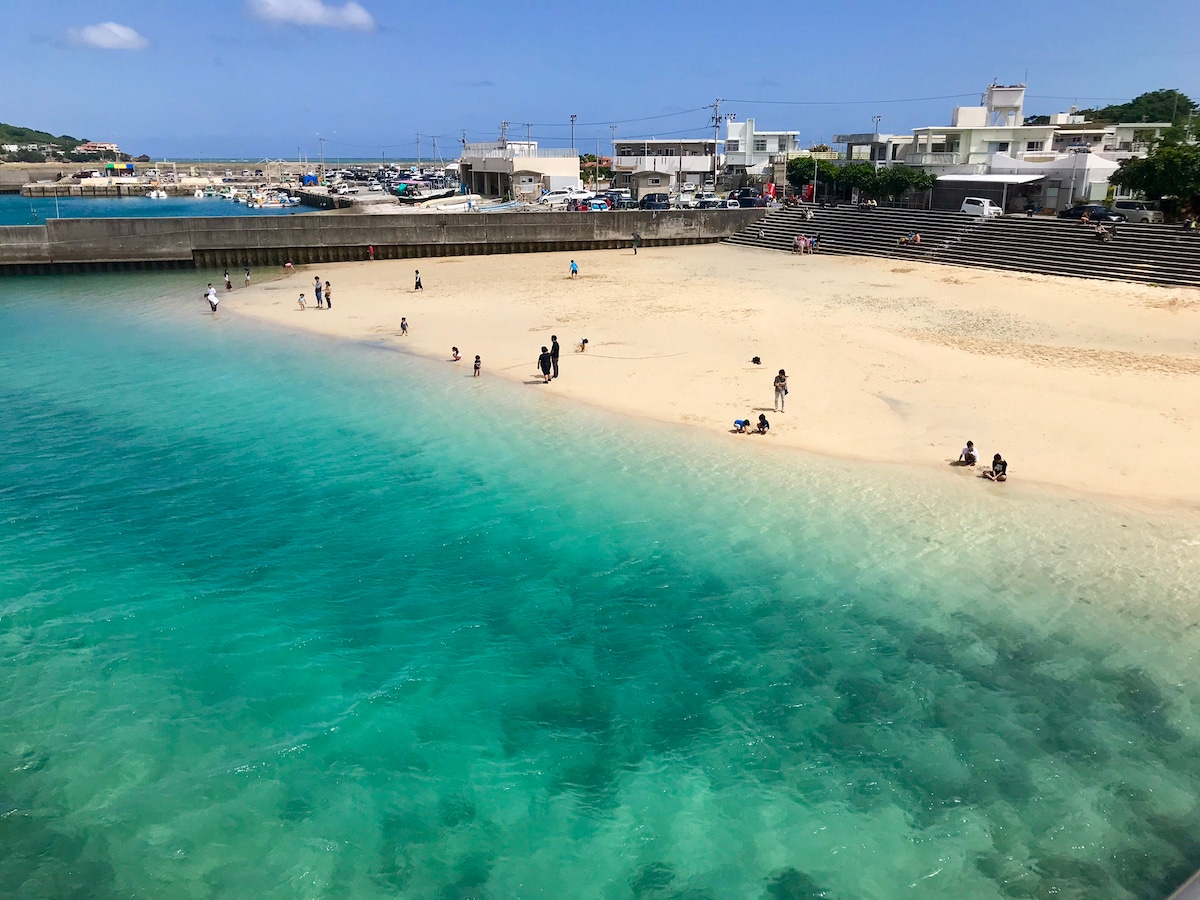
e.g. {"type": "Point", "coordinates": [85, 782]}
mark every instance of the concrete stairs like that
{"type": "Point", "coordinates": [1156, 254]}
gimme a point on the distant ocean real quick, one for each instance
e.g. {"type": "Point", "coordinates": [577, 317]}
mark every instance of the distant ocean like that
{"type": "Point", "coordinates": [18, 210]}
{"type": "Point", "coordinates": [287, 617]}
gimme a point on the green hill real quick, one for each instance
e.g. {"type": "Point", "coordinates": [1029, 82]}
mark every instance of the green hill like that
{"type": "Point", "coordinates": [13, 134]}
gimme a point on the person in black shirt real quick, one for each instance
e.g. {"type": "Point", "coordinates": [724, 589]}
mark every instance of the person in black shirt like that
{"type": "Point", "coordinates": [554, 353]}
{"type": "Point", "coordinates": [763, 425]}
{"type": "Point", "coordinates": [999, 470]}
{"type": "Point", "coordinates": [544, 361]}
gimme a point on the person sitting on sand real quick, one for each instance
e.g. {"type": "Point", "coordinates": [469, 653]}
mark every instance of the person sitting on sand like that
{"type": "Point", "coordinates": [301, 302]}
{"type": "Point", "coordinates": [763, 425]}
{"type": "Point", "coordinates": [968, 457]}
{"type": "Point", "coordinates": [582, 346]}
{"type": "Point", "coordinates": [742, 426]}
{"type": "Point", "coordinates": [999, 470]}
{"type": "Point", "coordinates": [454, 354]}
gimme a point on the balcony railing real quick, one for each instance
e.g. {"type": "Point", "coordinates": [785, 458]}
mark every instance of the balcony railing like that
{"type": "Point", "coordinates": [932, 159]}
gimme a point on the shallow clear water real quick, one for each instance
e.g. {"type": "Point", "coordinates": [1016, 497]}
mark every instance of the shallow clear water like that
{"type": "Point", "coordinates": [287, 617]}
{"type": "Point", "coordinates": [18, 210]}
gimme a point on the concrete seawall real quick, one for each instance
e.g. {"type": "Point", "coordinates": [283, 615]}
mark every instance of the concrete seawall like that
{"type": "Point", "coordinates": [77, 245]}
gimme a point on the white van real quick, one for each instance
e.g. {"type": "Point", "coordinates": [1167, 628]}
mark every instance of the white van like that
{"type": "Point", "coordinates": [1140, 211]}
{"type": "Point", "coordinates": [978, 206]}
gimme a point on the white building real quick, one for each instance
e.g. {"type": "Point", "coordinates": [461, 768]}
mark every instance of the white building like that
{"type": "Point", "coordinates": [517, 168]}
{"type": "Point", "coordinates": [662, 166]}
{"type": "Point", "coordinates": [750, 150]}
{"type": "Point", "coordinates": [988, 150]}
{"type": "Point", "coordinates": [97, 147]}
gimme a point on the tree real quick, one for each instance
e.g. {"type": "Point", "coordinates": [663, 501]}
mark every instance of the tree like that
{"type": "Point", "coordinates": [1165, 105]}
{"type": "Point", "coordinates": [1170, 170]}
{"type": "Point", "coordinates": [894, 181]}
{"type": "Point", "coordinates": [800, 171]}
{"type": "Point", "coordinates": [859, 175]}
{"type": "Point", "coordinates": [29, 156]}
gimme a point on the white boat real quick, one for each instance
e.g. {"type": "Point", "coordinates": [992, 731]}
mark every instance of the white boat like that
{"type": "Point", "coordinates": [199, 195]}
{"type": "Point", "coordinates": [157, 194]}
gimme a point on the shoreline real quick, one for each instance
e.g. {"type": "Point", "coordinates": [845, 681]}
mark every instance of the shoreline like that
{"type": "Point", "coordinates": [677, 351]}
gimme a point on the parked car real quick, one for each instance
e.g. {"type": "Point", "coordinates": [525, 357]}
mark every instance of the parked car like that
{"type": "Point", "coordinates": [626, 203]}
{"type": "Point", "coordinates": [655, 201]}
{"type": "Point", "coordinates": [1095, 213]}
{"type": "Point", "coordinates": [1139, 211]}
{"type": "Point", "coordinates": [710, 203]}
{"type": "Point", "coordinates": [748, 197]}
{"type": "Point", "coordinates": [980, 206]}
{"type": "Point", "coordinates": [597, 204]}
{"type": "Point", "coordinates": [729, 203]}
{"type": "Point", "coordinates": [556, 197]}
{"type": "Point", "coordinates": [685, 201]}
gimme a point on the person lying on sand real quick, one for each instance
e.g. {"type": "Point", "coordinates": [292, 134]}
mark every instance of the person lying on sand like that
{"type": "Point", "coordinates": [999, 470]}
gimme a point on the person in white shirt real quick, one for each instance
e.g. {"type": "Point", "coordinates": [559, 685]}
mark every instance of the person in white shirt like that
{"type": "Point", "coordinates": [211, 296]}
{"type": "Point", "coordinates": [968, 457]}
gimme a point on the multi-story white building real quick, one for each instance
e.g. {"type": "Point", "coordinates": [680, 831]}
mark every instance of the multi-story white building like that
{"type": "Point", "coordinates": [750, 150]}
{"type": "Point", "coordinates": [517, 168]}
{"type": "Point", "coordinates": [97, 147]}
{"type": "Point", "coordinates": [663, 166]}
{"type": "Point", "coordinates": [989, 151]}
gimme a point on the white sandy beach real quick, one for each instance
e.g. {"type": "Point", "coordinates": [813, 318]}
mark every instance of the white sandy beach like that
{"type": "Point", "coordinates": [1083, 385]}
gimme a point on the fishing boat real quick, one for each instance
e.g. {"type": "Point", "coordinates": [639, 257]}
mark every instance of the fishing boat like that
{"type": "Point", "coordinates": [157, 193]}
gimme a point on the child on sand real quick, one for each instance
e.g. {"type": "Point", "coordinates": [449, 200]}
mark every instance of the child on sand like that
{"type": "Point", "coordinates": [403, 325]}
{"type": "Point", "coordinates": [574, 269]}
{"type": "Point", "coordinates": [477, 365]}
{"type": "Point", "coordinates": [454, 354]}
{"type": "Point", "coordinates": [968, 456]}
{"type": "Point", "coordinates": [763, 425]}
{"type": "Point", "coordinates": [582, 346]}
{"type": "Point", "coordinates": [999, 470]}
{"type": "Point", "coordinates": [742, 426]}
{"type": "Point", "coordinates": [301, 302]}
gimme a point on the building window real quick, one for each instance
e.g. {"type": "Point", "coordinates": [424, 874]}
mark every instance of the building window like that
{"type": "Point", "coordinates": [782, 143]}
{"type": "Point", "coordinates": [654, 181]}
{"type": "Point", "coordinates": [731, 146]}
{"type": "Point", "coordinates": [1034, 146]}
{"type": "Point", "coordinates": [760, 145]}
{"type": "Point", "coordinates": [997, 146]}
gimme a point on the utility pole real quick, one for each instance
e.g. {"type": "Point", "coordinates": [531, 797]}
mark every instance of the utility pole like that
{"type": "Point", "coordinates": [596, 170]}
{"type": "Point", "coordinates": [715, 106]}
{"type": "Point", "coordinates": [573, 118]}
{"type": "Point", "coordinates": [418, 151]}
{"type": "Point", "coordinates": [321, 145]}
{"type": "Point", "coordinates": [504, 134]}
{"type": "Point", "coordinates": [527, 127]}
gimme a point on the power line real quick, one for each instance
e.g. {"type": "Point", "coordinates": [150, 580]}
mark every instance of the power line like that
{"type": "Point", "coordinates": [853, 102]}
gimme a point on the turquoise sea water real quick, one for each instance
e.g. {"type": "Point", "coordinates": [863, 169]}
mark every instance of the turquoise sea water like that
{"type": "Point", "coordinates": [282, 617]}
{"type": "Point", "coordinates": [18, 210]}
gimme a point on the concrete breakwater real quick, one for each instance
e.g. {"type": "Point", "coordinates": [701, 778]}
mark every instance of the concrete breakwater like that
{"type": "Point", "coordinates": [79, 245]}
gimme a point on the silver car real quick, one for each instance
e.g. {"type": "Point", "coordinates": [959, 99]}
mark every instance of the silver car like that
{"type": "Point", "coordinates": [1140, 211]}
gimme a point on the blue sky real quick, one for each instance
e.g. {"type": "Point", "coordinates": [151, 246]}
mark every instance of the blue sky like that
{"type": "Point", "coordinates": [252, 78]}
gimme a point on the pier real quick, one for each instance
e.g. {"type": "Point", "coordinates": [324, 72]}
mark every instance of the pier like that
{"type": "Point", "coordinates": [90, 245]}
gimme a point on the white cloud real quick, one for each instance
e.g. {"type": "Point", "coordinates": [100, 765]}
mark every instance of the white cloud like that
{"type": "Point", "coordinates": [109, 36]}
{"type": "Point", "coordinates": [314, 12]}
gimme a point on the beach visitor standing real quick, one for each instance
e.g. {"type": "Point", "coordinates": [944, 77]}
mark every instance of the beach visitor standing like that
{"type": "Point", "coordinates": [328, 296]}
{"type": "Point", "coordinates": [574, 269]}
{"type": "Point", "coordinates": [544, 363]}
{"type": "Point", "coordinates": [403, 326]}
{"type": "Point", "coordinates": [320, 296]}
{"type": "Point", "coordinates": [228, 283]}
{"type": "Point", "coordinates": [247, 276]}
{"type": "Point", "coordinates": [780, 390]}
{"type": "Point", "coordinates": [303, 305]}
{"type": "Point", "coordinates": [477, 366]}
{"type": "Point", "coordinates": [371, 253]}
{"type": "Point", "coordinates": [211, 296]}
{"type": "Point", "coordinates": [637, 242]}
{"type": "Point", "coordinates": [417, 283]}
{"type": "Point", "coordinates": [554, 353]}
